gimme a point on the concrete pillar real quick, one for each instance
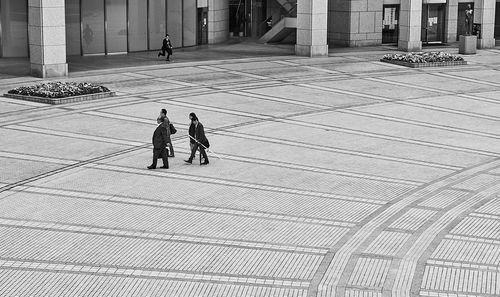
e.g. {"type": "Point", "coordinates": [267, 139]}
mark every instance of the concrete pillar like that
{"type": "Point", "coordinates": [451, 21]}
{"type": "Point", "coordinates": [312, 22]}
{"type": "Point", "coordinates": [47, 38]}
{"type": "Point", "coordinates": [484, 14]}
{"type": "Point", "coordinates": [218, 21]}
{"type": "Point", "coordinates": [410, 25]}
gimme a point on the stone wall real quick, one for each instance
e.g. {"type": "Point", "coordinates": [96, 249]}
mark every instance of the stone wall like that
{"type": "Point", "coordinates": [355, 22]}
{"type": "Point", "coordinates": [218, 21]}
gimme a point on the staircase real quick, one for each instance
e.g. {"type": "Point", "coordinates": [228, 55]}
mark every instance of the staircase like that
{"type": "Point", "coordinates": [280, 30]}
{"type": "Point", "coordinates": [287, 5]}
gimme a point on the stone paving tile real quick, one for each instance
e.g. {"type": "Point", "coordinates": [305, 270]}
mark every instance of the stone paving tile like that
{"type": "Point", "coordinates": [241, 103]}
{"type": "Point", "coordinates": [364, 143]}
{"type": "Point", "coordinates": [375, 88]}
{"type": "Point", "coordinates": [483, 75]}
{"type": "Point", "coordinates": [340, 176]}
{"type": "Point", "coordinates": [91, 125]}
{"type": "Point", "coordinates": [11, 172]}
{"type": "Point", "coordinates": [155, 255]}
{"type": "Point", "coordinates": [348, 161]}
{"type": "Point", "coordinates": [73, 149]}
{"type": "Point", "coordinates": [144, 85]}
{"type": "Point", "coordinates": [403, 130]}
{"type": "Point", "coordinates": [305, 94]}
{"type": "Point", "coordinates": [417, 116]}
{"type": "Point", "coordinates": [444, 199]}
{"type": "Point", "coordinates": [261, 174]}
{"type": "Point", "coordinates": [343, 209]}
{"type": "Point", "coordinates": [478, 182]}
{"type": "Point", "coordinates": [77, 211]}
{"type": "Point", "coordinates": [177, 115]}
{"type": "Point", "coordinates": [471, 105]}
{"type": "Point", "coordinates": [388, 243]}
{"type": "Point", "coordinates": [490, 95]}
{"type": "Point", "coordinates": [440, 83]}
{"type": "Point", "coordinates": [413, 219]}
{"type": "Point", "coordinates": [7, 107]}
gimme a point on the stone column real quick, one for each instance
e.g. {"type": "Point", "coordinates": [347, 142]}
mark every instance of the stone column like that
{"type": "Point", "coordinates": [312, 17]}
{"type": "Point", "coordinates": [47, 38]}
{"type": "Point", "coordinates": [484, 14]}
{"type": "Point", "coordinates": [451, 21]}
{"type": "Point", "coordinates": [218, 21]}
{"type": "Point", "coordinates": [410, 25]}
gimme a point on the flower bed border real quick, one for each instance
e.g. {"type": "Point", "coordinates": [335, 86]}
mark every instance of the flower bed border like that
{"type": "Point", "coordinates": [422, 65]}
{"type": "Point", "coordinates": [54, 101]}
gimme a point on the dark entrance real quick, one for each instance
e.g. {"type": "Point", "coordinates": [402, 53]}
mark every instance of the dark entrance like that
{"type": "Point", "coordinates": [237, 21]}
{"type": "Point", "coordinates": [433, 21]}
{"type": "Point", "coordinates": [390, 24]}
{"type": "Point", "coordinates": [202, 26]}
{"type": "Point", "coordinates": [497, 22]}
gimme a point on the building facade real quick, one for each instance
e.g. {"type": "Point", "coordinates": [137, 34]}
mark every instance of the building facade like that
{"type": "Point", "coordinates": [47, 31]}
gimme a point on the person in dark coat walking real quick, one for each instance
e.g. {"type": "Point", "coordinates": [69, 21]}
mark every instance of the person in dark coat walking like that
{"type": "Point", "coordinates": [166, 47]}
{"type": "Point", "coordinates": [160, 142]}
{"type": "Point", "coordinates": [166, 124]}
{"type": "Point", "coordinates": [200, 141]}
{"type": "Point", "coordinates": [191, 130]}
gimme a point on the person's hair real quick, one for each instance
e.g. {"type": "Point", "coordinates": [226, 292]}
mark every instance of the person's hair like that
{"type": "Point", "coordinates": [164, 111]}
{"type": "Point", "coordinates": [194, 118]}
{"type": "Point", "coordinates": [166, 35]}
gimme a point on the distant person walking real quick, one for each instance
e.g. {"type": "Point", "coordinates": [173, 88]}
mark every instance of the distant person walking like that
{"type": "Point", "coordinates": [200, 141]}
{"type": "Point", "coordinates": [191, 131]}
{"type": "Point", "coordinates": [170, 129]}
{"type": "Point", "coordinates": [166, 47]}
{"type": "Point", "coordinates": [160, 141]}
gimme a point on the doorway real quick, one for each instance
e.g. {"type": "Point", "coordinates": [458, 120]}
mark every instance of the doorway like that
{"type": "Point", "coordinates": [390, 27]}
{"type": "Point", "coordinates": [202, 26]}
{"type": "Point", "coordinates": [433, 23]}
{"type": "Point", "coordinates": [497, 21]}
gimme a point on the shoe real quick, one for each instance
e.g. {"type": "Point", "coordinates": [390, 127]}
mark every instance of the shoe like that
{"type": "Point", "coordinates": [189, 161]}
{"type": "Point", "coordinates": [151, 167]}
{"type": "Point", "coordinates": [164, 167]}
{"type": "Point", "coordinates": [168, 60]}
{"type": "Point", "coordinates": [205, 163]}
{"type": "Point", "coordinates": [159, 54]}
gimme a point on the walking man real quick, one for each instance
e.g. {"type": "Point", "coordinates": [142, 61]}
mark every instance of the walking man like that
{"type": "Point", "coordinates": [166, 47]}
{"type": "Point", "coordinates": [168, 126]}
{"type": "Point", "coordinates": [200, 141]}
{"type": "Point", "coordinates": [160, 142]}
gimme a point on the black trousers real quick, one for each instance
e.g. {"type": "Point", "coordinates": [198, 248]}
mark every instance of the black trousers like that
{"type": "Point", "coordinates": [160, 153]}
{"type": "Point", "coordinates": [202, 151]}
{"type": "Point", "coordinates": [169, 52]}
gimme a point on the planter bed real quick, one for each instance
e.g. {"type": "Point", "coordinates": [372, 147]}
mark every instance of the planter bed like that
{"type": "Point", "coordinates": [422, 65]}
{"type": "Point", "coordinates": [71, 99]}
{"type": "Point", "coordinates": [424, 59]}
{"type": "Point", "coordinates": [60, 92]}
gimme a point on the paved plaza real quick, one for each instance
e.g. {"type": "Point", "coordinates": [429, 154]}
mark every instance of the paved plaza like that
{"type": "Point", "coordinates": [337, 176]}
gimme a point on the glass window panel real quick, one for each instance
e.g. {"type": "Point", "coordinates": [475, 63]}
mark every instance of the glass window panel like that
{"type": "Point", "coordinates": [174, 22]}
{"type": "Point", "coordinates": [14, 28]}
{"type": "Point", "coordinates": [189, 23]}
{"type": "Point", "coordinates": [93, 27]}
{"type": "Point", "coordinates": [116, 26]}
{"type": "Point", "coordinates": [137, 25]}
{"type": "Point", "coordinates": [73, 27]}
{"type": "Point", "coordinates": [157, 23]}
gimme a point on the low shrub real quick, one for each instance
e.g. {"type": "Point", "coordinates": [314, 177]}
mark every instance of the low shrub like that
{"type": "Point", "coordinates": [423, 57]}
{"type": "Point", "coordinates": [59, 89]}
